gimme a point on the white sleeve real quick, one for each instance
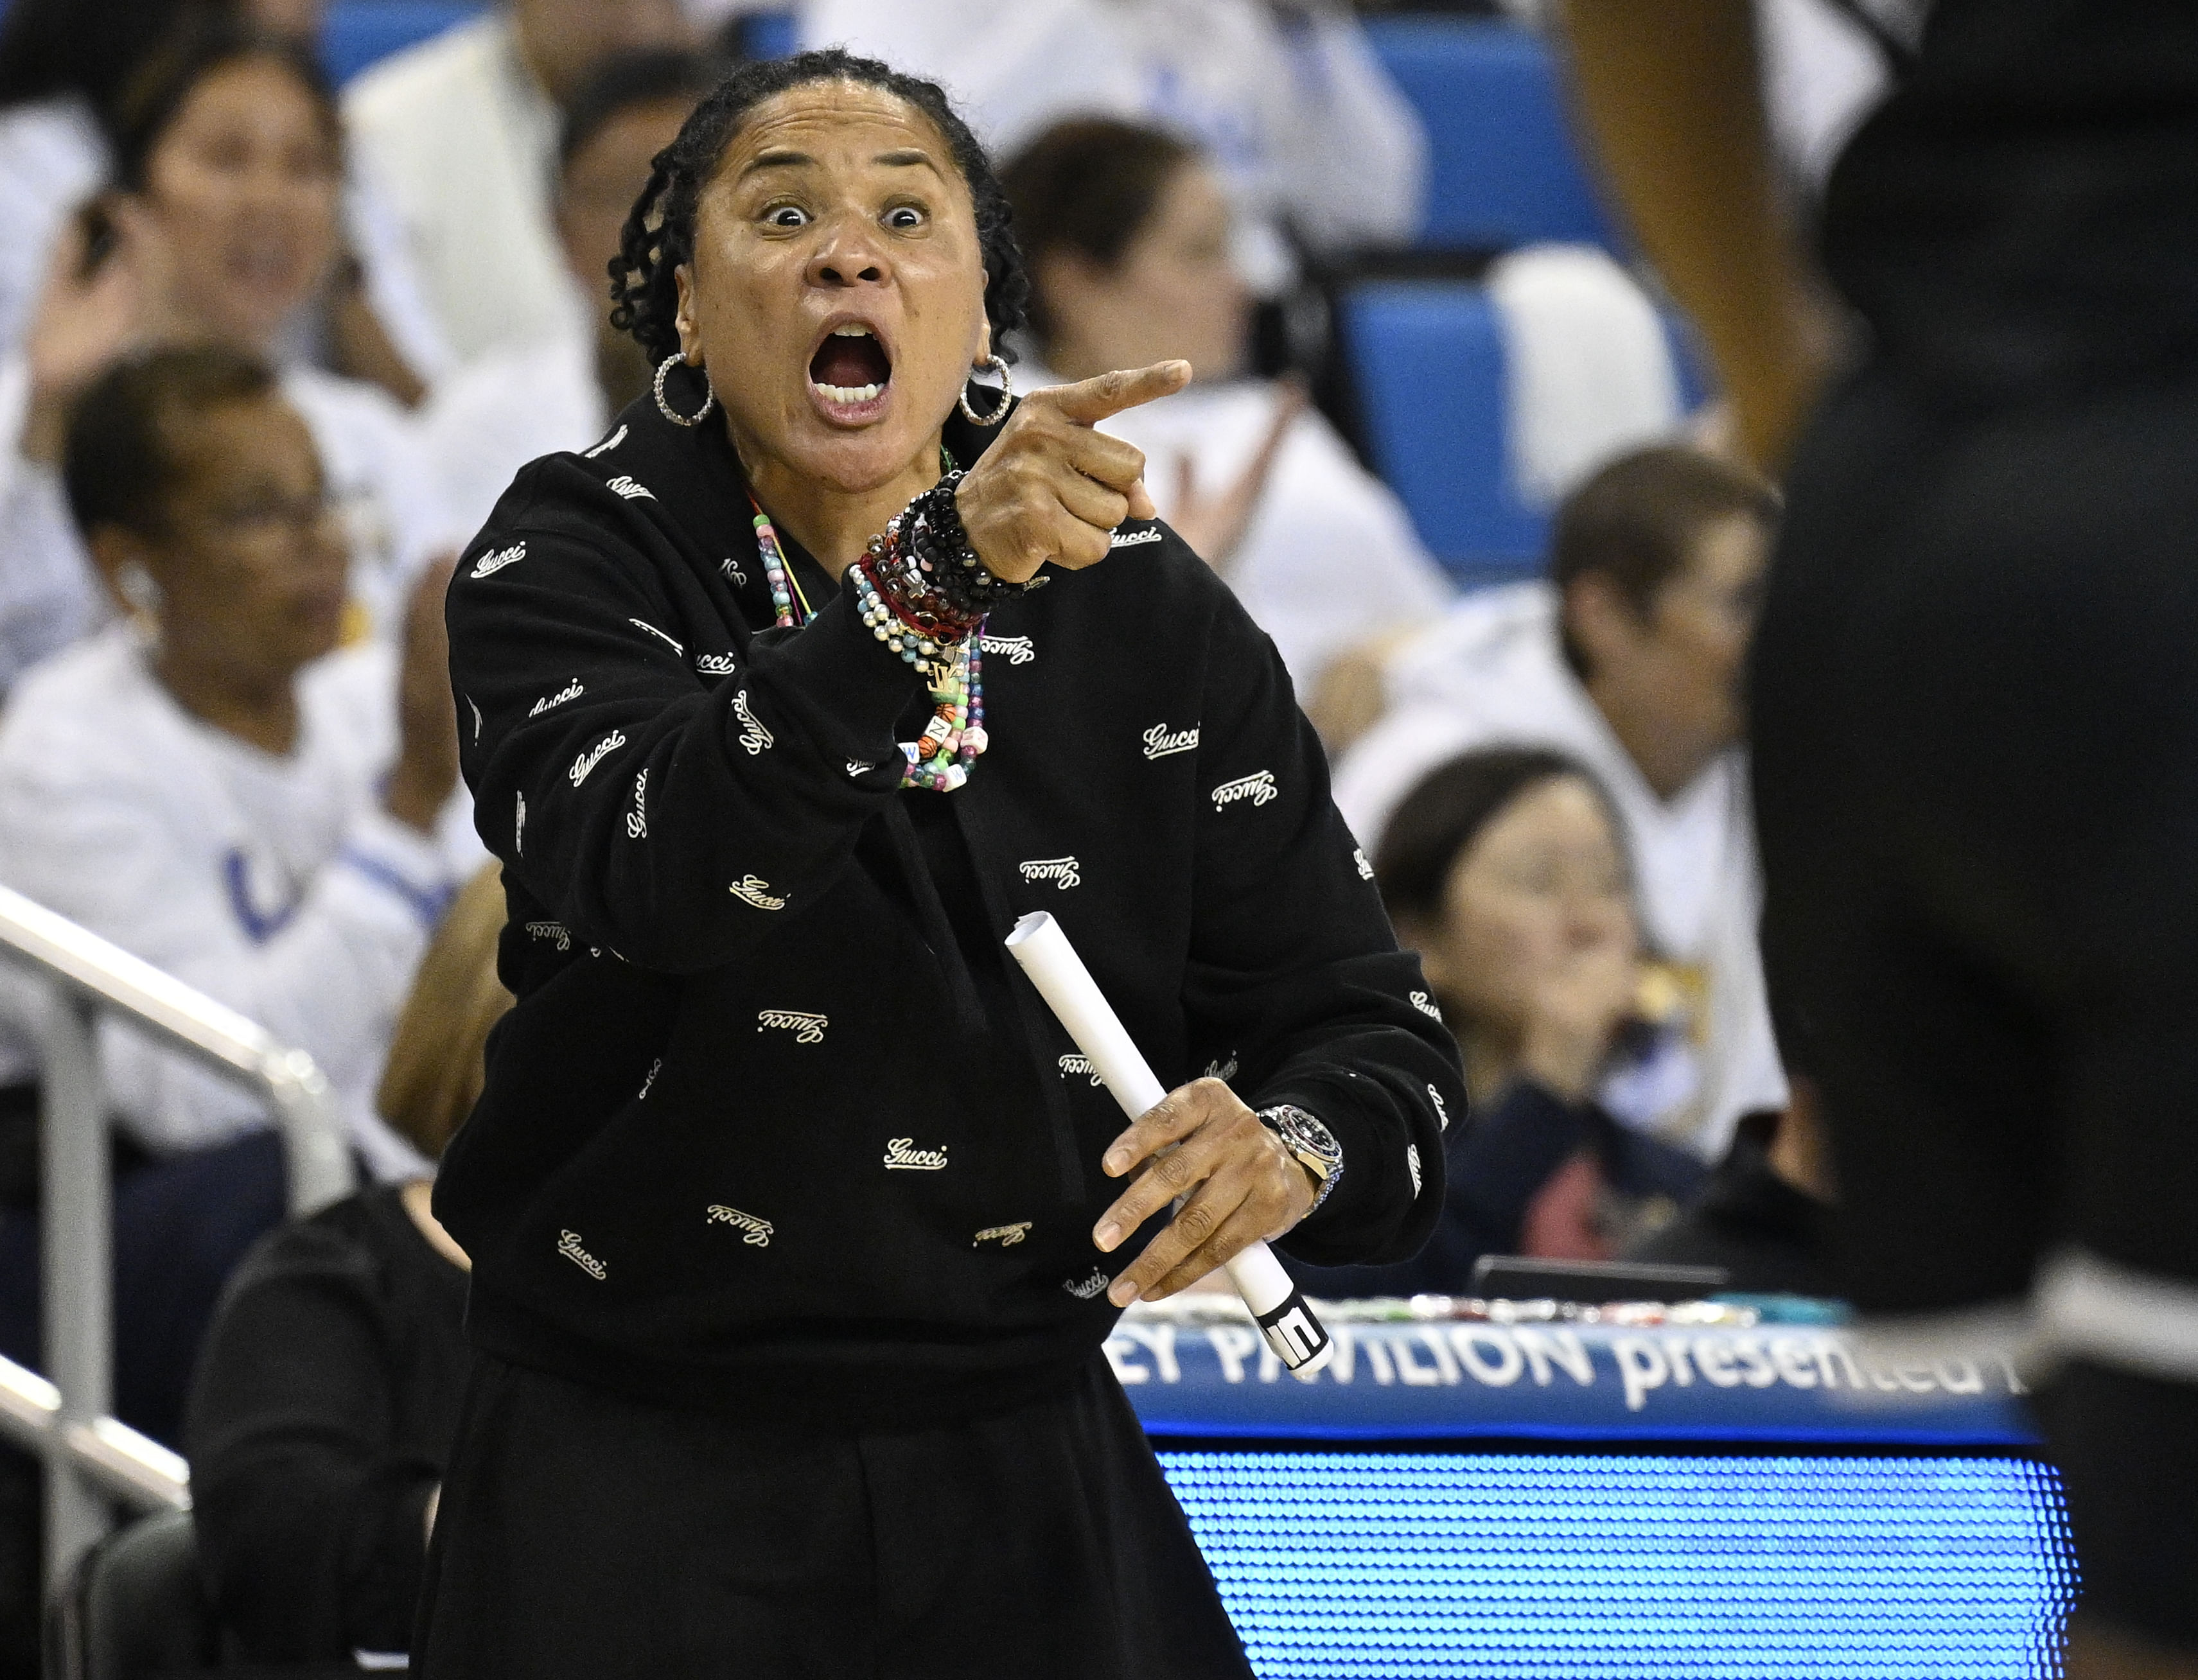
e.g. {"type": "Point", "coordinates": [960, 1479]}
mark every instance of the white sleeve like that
{"type": "Point", "coordinates": [394, 289]}
{"type": "Point", "coordinates": [1333, 559]}
{"type": "Point", "coordinates": [48, 596]}
{"type": "Point", "coordinates": [330, 981]}
{"type": "Point", "coordinates": [1390, 759]}
{"type": "Point", "coordinates": [1350, 154]}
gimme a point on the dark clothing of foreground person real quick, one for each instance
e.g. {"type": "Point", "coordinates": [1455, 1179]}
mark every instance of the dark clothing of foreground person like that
{"type": "Point", "coordinates": [1773, 1237]}
{"type": "Point", "coordinates": [319, 1427]}
{"type": "Point", "coordinates": [1975, 724]}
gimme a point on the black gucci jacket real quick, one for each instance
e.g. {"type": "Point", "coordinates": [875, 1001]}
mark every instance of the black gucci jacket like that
{"type": "Point", "coordinates": [774, 1128]}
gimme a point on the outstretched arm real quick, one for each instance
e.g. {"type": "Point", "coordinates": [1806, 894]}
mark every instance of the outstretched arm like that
{"type": "Point", "coordinates": [1670, 95]}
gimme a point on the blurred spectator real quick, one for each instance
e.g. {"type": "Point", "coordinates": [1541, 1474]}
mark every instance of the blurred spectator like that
{"type": "Point", "coordinates": [515, 404]}
{"type": "Point", "coordinates": [1630, 658]}
{"type": "Point", "coordinates": [1766, 1217]}
{"type": "Point", "coordinates": [66, 67]}
{"type": "Point", "coordinates": [1505, 870]}
{"type": "Point", "coordinates": [460, 135]}
{"type": "Point", "coordinates": [1125, 230]}
{"type": "Point", "coordinates": [223, 227]}
{"type": "Point", "coordinates": [1303, 123]}
{"type": "Point", "coordinates": [200, 782]}
{"type": "Point", "coordinates": [322, 1416]}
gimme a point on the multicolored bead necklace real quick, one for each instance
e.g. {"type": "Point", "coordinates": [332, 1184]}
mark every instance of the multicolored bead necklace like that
{"type": "Point", "coordinates": [940, 758]}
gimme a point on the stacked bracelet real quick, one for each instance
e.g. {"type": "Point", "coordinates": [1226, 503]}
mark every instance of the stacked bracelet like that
{"type": "Point", "coordinates": [921, 587]}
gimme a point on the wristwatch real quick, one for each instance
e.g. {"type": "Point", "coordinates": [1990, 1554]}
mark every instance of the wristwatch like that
{"type": "Point", "coordinates": [1310, 1144]}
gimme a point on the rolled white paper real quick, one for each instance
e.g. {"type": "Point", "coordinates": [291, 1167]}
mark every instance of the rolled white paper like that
{"type": "Point", "coordinates": [1299, 1338]}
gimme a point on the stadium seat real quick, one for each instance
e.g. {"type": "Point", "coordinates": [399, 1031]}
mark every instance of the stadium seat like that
{"type": "Point", "coordinates": [135, 1606]}
{"type": "Point", "coordinates": [355, 33]}
{"type": "Point", "coordinates": [1429, 361]}
{"type": "Point", "coordinates": [1503, 169]}
{"type": "Point", "coordinates": [770, 34]}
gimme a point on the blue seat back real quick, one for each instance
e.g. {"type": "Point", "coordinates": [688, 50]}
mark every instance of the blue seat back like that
{"type": "Point", "coordinates": [1430, 364]}
{"type": "Point", "coordinates": [1502, 167]}
{"type": "Point", "coordinates": [357, 33]}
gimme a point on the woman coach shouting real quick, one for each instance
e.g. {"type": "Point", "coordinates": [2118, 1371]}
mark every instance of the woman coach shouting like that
{"type": "Point", "coordinates": [790, 1207]}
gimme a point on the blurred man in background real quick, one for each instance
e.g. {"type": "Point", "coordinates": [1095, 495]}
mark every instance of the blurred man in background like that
{"type": "Point", "coordinates": [460, 135]}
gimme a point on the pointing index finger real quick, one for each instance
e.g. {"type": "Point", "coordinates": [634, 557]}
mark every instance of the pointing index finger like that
{"type": "Point", "coordinates": [1092, 400]}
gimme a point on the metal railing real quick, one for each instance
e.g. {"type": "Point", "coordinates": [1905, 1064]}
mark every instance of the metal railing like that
{"type": "Point", "coordinates": [91, 1459]}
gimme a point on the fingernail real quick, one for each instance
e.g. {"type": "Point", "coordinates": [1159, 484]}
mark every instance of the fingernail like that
{"type": "Point", "coordinates": [1116, 1163]}
{"type": "Point", "coordinates": [1123, 1293]}
{"type": "Point", "coordinates": [1106, 1236]}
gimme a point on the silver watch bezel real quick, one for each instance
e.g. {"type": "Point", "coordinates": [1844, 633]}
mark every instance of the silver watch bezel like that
{"type": "Point", "coordinates": [1310, 1144]}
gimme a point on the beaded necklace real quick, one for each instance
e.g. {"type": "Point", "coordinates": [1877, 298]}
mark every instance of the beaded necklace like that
{"type": "Point", "coordinates": [940, 758]}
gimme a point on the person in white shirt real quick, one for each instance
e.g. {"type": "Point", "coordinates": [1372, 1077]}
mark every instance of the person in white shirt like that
{"type": "Point", "coordinates": [206, 782]}
{"type": "Point", "coordinates": [459, 136]}
{"type": "Point", "coordinates": [223, 227]}
{"type": "Point", "coordinates": [517, 405]}
{"type": "Point", "coordinates": [1125, 230]}
{"type": "Point", "coordinates": [1286, 96]}
{"type": "Point", "coordinates": [64, 66]}
{"type": "Point", "coordinates": [1630, 659]}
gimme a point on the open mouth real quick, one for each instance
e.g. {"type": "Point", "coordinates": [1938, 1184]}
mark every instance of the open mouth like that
{"type": "Point", "coordinates": [850, 368]}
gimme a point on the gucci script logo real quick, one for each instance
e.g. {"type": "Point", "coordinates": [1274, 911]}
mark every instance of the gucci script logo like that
{"type": "Point", "coordinates": [1084, 1288]}
{"type": "Point", "coordinates": [1258, 787]}
{"type": "Point", "coordinates": [594, 755]}
{"type": "Point", "coordinates": [489, 565]}
{"type": "Point", "coordinates": [655, 1068]}
{"type": "Point", "coordinates": [477, 719]}
{"type": "Point", "coordinates": [1426, 1006]}
{"type": "Point", "coordinates": [856, 767]}
{"type": "Point", "coordinates": [1412, 1165]}
{"type": "Point", "coordinates": [755, 1232]}
{"type": "Point", "coordinates": [626, 487]}
{"type": "Point", "coordinates": [750, 890]}
{"type": "Point", "coordinates": [1070, 1066]}
{"type": "Point", "coordinates": [1223, 1071]}
{"type": "Point", "coordinates": [607, 444]}
{"type": "Point", "coordinates": [568, 1245]}
{"type": "Point", "coordinates": [1365, 869]}
{"type": "Point", "coordinates": [731, 568]}
{"type": "Point", "coordinates": [572, 691]}
{"type": "Point", "coordinates": [754, 738]}
{"type": "Point", "coordinates": [1062, 871]}
{"type": "Point", "coordinates": [636, 820]}
{"type": "Point", "coordinates": [1015, 649]}
{"type": "Point", "coordinates": [806, 1029]}
{"type": "Point", "coordinates": [714, 664]}
{"type": "Point", "coordinates": [902, 1156]}
{"type": "Point", "coordinates": [1006, 1235]}
{"type": "Point", "coordinates": [1442, 1114]}
{"type": "Point", "coordinates": [1159, 743]}
{"type": "Point", "coordinates": [1130, 539]}
{"type": "Point", "coordinates": [556, 932]}
{"type": "Point", "coordinates": [519, 827]}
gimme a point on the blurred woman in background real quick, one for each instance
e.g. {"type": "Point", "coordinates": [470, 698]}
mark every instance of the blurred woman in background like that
{"type": "Point", "coordinates": [1505, 870]}
{"type": "Point", "coordinates": [322, 1416]}
{"type": "Point", "coordinates": [1128, 233]}
{"type": "Point", "coordinates": [222, 228]}
{"type": "Point", "coordinates": [65, 68]}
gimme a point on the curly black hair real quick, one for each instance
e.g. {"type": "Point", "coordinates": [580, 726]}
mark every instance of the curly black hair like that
{"type": "Point", "coordinates": [660, 234]}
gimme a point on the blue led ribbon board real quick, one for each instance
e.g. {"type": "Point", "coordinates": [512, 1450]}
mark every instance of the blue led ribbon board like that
{"type": "Point", "coordinates": [1568, 1565]}
{"type": "Point", "coordinates": [1584, 1502]}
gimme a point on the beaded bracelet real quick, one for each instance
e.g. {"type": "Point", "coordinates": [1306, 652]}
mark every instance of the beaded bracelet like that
{"type": "Point", "coordinates": [931, 532]}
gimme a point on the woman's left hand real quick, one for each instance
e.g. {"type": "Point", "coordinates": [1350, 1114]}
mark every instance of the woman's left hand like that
{"type": "Point", "coordinates": [1241, 1185]}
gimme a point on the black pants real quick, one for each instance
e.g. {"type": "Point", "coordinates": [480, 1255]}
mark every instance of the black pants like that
{"type": "Point", "coordinates": [1975, 702]}
{"type": "Point", "coordinates": [585, 1535]}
